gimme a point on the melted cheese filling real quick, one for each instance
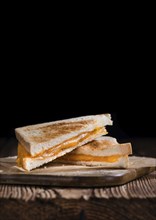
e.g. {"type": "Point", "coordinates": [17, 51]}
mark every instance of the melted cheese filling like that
{"type": "Point", "coordinates": [55, 150]}
{"type": "Point", "coordinates": [82, 157]}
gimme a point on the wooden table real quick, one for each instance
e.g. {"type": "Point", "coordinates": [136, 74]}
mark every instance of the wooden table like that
{"type": "Point", "coordinates": [134, 200]}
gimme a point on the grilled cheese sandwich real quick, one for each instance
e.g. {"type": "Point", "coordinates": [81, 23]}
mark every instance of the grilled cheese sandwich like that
{"type": "Point", "coordinates": [42, 143]}
{"type": "Point", "coordinates": [103, 151]}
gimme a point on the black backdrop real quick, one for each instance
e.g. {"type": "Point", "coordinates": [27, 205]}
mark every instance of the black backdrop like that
{"type": "Point", "coordinates": [79, 73]}
{"type": "Point", "coordinates": [27, 101]}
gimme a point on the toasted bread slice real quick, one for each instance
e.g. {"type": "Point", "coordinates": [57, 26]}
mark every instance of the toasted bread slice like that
{"type": "Point", "coordinates": [103, 151]}
{"type": "Point", "coordinates": [45, 142]}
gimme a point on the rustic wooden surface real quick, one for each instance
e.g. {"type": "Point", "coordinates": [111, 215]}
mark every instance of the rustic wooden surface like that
{"type": "Point", "coordinates": [143, 188]}
{"type": "Point", "coordinates": [134, 200]}
{"type": "Point", "coordinates": [94, 209]}
{"type": "Point", "coordinates": [74, 175]}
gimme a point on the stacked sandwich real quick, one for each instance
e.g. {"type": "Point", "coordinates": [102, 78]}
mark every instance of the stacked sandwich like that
{"type": "Point", "coordinates": [81, 140]}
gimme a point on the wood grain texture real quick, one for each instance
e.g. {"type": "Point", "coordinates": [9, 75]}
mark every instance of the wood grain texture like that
{"type": "Point", "coordinates": [59, 175]}
{"type": "Point", "coordinates": [134, 200]}
{"type": "Point", "coordinates": [143, 188]}
{"type": "Point", "coordinates": [61, 209]}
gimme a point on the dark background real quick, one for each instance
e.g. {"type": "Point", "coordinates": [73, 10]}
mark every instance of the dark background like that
{"type": "Point", "coordinates": [76, 71]}
{"type": "Point", "coordinates": [30, 101]}
{"type": "Point", "coordinates": [40, 87]}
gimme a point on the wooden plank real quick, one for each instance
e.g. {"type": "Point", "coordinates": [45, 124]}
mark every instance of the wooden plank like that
{"type": "Point", "coordinates": [94, 209]}
{"type": "Point", "coordinates": [142, 188]}
{"type": "Point", "coordinates": [75, 176]}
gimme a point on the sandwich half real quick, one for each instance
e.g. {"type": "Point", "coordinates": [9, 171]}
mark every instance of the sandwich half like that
{"type": "Point", "coordinates": [103, 151]}
{"type": "Point", "coordinates": [41, 143]}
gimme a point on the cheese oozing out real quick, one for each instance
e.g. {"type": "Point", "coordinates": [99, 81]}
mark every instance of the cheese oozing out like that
{"type": "Point", "coordinates": [55, 150]}
{"type": "Point", "coordinates": [86, 158]}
